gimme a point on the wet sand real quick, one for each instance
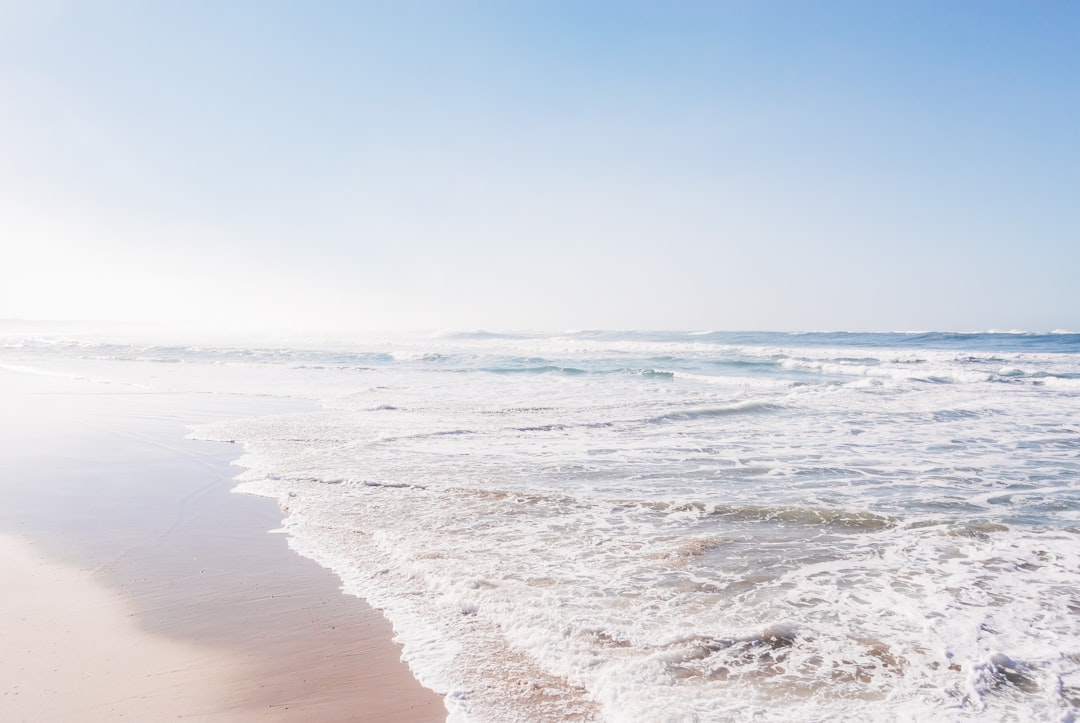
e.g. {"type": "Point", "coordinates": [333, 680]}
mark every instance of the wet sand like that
{"type": "Point", "coordinates": [147, 590]}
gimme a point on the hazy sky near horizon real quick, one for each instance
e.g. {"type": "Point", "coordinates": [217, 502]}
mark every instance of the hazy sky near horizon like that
{"type": "Point", "coordinates": [679, 165]}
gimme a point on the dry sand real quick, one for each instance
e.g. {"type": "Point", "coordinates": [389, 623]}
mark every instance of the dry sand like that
{"type": "Point", "coordinates": [139, 588]}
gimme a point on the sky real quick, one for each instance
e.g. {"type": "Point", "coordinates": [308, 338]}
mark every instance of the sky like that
{"type": "Point", "coordinates": [862, 166]}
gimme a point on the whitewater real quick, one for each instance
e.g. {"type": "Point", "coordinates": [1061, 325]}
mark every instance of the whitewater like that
{"type": "Point", "coordinates": [673, 526]}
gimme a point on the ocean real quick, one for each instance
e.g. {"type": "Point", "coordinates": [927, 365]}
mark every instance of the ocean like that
{"type": "Point", "coordinates": [671, 526]}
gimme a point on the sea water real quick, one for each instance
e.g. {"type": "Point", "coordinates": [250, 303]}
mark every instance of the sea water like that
{"type": "Point", "coordinates": [675, 526]}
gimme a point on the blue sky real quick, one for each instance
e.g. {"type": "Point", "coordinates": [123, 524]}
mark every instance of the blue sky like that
{"type": "Point", "coordinates": [721, 165]}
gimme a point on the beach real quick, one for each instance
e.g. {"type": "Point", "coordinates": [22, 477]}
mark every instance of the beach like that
{"type": "Point", "coordinates": [680, 526]}
{"type": "Point", "coordinates": [141, 588]}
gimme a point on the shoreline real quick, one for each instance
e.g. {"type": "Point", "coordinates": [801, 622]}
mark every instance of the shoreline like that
{"type": "Point", "coordinates": [136, 559]}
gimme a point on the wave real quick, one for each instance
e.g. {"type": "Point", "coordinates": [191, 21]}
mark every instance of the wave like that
{"type": "Point", "coordinates": [657, 373]}
{"type": "Point", "coordinates": [806, 516]}
{"type": "Point", "coordinates": [782, 514]}
{"type": "Point", "coordinates": [748, 407]}
{"type": "Point", "coordinates": [539, 369]}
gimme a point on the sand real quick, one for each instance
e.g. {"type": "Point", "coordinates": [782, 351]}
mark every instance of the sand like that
{"type": "Point", "coordinates": [141, 588]}
{"type": "Point", "coordinates": [70, 649]}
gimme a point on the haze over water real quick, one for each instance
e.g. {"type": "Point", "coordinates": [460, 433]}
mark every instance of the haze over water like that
{"type": "Point", "coordinates": [675, 526]}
